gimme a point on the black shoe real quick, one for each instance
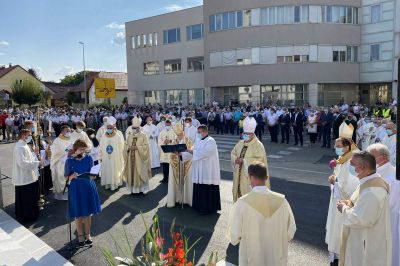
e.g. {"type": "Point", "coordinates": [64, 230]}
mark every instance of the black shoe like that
{"type": "Point", "coordinates": [335, 263]}
{"type": "Point", "coordinates": [81, 244]}
{"type": "Point", "coordinates": [88, 242]}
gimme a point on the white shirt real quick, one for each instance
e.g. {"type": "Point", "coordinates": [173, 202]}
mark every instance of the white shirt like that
{"type": "Point", "coordinates": [25, 167]}
{"type": "Point", "coordinates": [205, 162]}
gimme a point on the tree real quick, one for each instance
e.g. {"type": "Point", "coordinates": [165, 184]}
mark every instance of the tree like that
{"type": "Point", "coordinates": [27, 91]}
{"type": "Point", "coordinates": [73, 80]}
{"type": "Point", "coordinates": [33, 73]}
{"type": "Point", "coordinates": [71, 98]}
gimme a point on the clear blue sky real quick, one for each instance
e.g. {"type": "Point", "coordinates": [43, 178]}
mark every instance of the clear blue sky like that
{"type": "Point", "coordinates": [44, 34]}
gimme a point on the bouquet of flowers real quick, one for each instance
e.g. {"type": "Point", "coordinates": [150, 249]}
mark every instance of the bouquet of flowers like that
{"type": "Point", "coordinates": [153, 246]}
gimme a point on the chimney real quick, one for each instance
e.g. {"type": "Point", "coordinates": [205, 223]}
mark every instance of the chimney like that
{"type": "Point", "coordinates": [10, 65]}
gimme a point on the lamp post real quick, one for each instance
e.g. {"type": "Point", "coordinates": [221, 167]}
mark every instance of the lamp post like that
{"type": "Point", "coordinates": [84, 72]}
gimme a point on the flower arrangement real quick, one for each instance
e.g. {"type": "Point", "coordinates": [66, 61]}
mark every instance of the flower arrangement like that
{"type": "Point", "coordinates": [153, 246]}
{"type": "Point", "coordinates": [332, 164]}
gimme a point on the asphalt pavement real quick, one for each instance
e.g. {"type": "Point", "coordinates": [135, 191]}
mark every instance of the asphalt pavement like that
{"type": "Point", "coordinates": [298, 172]}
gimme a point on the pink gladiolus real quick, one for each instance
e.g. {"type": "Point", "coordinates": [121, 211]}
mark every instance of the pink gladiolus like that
{"type": "Point", "coordinates": [332, 164]}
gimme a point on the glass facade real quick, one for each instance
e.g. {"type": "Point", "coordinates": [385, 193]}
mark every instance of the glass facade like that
{"type": "Point", "coordinates": [194, 32]}
{"type": "Point", "coordinates": [172, 36]}
{"type": "Point", "coordinates": [284, 95]}
{"type": "Point", "coordinates": [172, 66]}
{"type": "Point", "coordinates": [151, 68]}
{"type": "Point", "coordinates": [331, 94]}
{"type": "Point", "coordinates": [152, 97]}
{"type": "Point", "coordinates": [195, 97]}
{"type": "Point", "coordinates": [173, 97]}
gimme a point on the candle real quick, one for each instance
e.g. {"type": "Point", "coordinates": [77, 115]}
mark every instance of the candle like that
{"type": "Point", "coordinates": [50, 124]}
{"type": "Point", "coordinates": [35, 127]}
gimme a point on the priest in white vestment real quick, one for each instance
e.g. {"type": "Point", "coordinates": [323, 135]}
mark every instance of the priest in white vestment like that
{"type": "Point", "coordinates": [262, 222]}
{"type": "Point", "coordinates": [111, 154]}
{"type": "Point", "coordinates": [166, 137]}
{"type": "Point", "coordinates": [79, 133]}
{"type": "Point", "coordinates": [190, 130]}
{"type": "Point", "coordinates": [390, 141]}
{"type": "Point", "coordinates": [366, 132]}
{"type": "Point", "coordinates": [180, 186]}
{"type": "Point", "coordinates": [245, 152]}
{"type": "Point", "coordinates": [366, 232]}
{"type": "Point", "coordinates": [206, 175]}
{"type": "Point", "coordinates": [138, 161]}
{"type": "Point", "coordinates": [102, 129]}
{"type": "Point", "coordinates": [342, 184]}
{"type": "Point", "coordinates": [388, 172]}
{"type": "Point", "coordinates": [59, 154]}
{"type": "Point", "coordinates": [152, 133]}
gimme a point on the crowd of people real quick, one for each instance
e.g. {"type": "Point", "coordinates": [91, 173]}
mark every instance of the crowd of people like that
{"type": "Point", "coordinates": [58, 147]}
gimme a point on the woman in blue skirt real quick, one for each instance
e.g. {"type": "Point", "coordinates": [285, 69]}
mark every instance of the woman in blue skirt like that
{"type": "Point", "coordinates": [83, 198]}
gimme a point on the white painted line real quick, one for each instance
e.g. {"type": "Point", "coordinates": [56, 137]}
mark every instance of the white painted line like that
{"type": "Point", "coordinates": [285, 152]}
{"type": "Point", "coordinates": [222, 150]}
{"type": "Point", "coordinates": [293, 149]}
{"type": "Point", "coordinates": [274, 156]}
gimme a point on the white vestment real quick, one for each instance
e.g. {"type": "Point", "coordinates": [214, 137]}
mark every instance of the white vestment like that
{"type": "Point", "coordinates": [344, 187]}
{"type": "Point", "coordinates": [82, 136]}
{"type": "Point", "coordinates": [59, 154]}
{"type": "Point", "coordinates": [263, 222]}
{"type": "Point", "coordinates": [366, 132]}
{"type": "Point", "coordinates": [388, 172]}
{"type": "Point", "coordinates": [205, 162]}
{"type": "Point", "coordinates": [390, 143]}
{"type": "Point", "coordinates": [111, 154]}
{"type": "Point", "coordinates": [152, 133]}
{"type": "Point", "coordinates": [191, 133]}
{"type": "Point", "coordinates": [101, 131]}
{"type": "Point", "coordinates": [366, 228]}
{"type": "Point", "coordinates": [168, 135]}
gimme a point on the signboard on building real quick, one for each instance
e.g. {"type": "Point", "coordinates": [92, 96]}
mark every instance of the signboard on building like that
{"type": "Point", "coordinates": [104, 88]}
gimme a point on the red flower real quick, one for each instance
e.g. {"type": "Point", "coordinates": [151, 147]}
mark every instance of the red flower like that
{"type": "Point", "coordinates": [178, 244]}
{"type": "Point", "coordinates": [180, 254]}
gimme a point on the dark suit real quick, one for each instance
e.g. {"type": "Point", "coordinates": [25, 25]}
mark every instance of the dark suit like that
{"type": "Point", "coordinates": [338, 120]}
{"type": "Point", "coordinates": [326, 121]}
{"type": "Point", "coordinates": [297, 123]}
{"type": "Point", "coordinates": [284, 122]}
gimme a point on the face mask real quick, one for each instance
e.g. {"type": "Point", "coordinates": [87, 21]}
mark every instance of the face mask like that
{"type": "Point", "coordinates": [246, 137]}
{"type": "Point", "coordinates": [92, 136]}
{"type": "Point", "coordinates": [389, 132]}
{"type": "Point", "coordinates": [339, 151]}
{"type": "Point", "coordinates": [28, 139]}
{"type": "Point", "coordinates": [134, 130]}
{"type": "Point", "coordinates": [352, 170]}
{"type": "Point", "coordinates": [33, 130]}
{"type": "Point", "coordinates": [199, 136]}
{"type": "Point", "coordinates": [109, 130]}
{"type": "Point", "coordinates": [79, 156]}
{"type": "Point", "coordinates": [79, 130]}
{"type": "Point", "coordinates": [67, 134]}
{"type": "Point", "coordinates": [187, 125]}
{"type": "Point", "coordinates": [167, 128]}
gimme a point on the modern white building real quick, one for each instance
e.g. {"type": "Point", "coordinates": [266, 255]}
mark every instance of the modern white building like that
{"type": "Point", "coordinates": [283, 51]}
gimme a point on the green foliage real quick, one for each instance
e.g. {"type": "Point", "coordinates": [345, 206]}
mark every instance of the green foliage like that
{"type": "Point", "coordinates": [71, 98]}
{"type": "Point", "coordinates": [33, 73]}
{"type": "Point", "coordinates": [74, 79]}
{"type": "Point", "coordinates": [27, 92]}
{"type": "Point", "coordinates": [125, 100]}
{"type": "Point", "coordinates": [46, 96]}
{"type": "Point", "coordinates": [104, 104]}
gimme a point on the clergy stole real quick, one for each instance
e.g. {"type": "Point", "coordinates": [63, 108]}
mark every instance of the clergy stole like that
{"type": "Point", "coordinates": [138, 170]}
{"type": "Point", "coordinates": [374, 182]}
{"type": "Point", "coordinates": [181, 169]}
{"type": "Point", "coordinates": [242, 154]}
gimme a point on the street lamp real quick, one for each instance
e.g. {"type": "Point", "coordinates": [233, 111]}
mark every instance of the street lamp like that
{"type": "Point", "coordinates": [84, 71]}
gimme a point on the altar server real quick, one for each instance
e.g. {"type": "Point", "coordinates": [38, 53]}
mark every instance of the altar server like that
{"type": "Point", "coordinates": [151, 131]}
{"type": "Point", "coordinates": [167, 136]}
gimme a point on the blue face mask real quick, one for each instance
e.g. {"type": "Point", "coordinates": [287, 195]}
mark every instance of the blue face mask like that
{"type": "Point", "coordinates": [109, 130]}
{"type": "Point", "coordinates": [134, 130]}
{"type": "Point", "coordinates": [339, 151]}
{"type": "Point", "coordinates": [352, 170]}
{"type": "Point", "coordinates": [33, 130]}
{"type": "Point", "coordinates": [199, 136]}
{"type": "Point", "coordinates": [389, 132]}
{"type": "Point", "coordinates": [245, 137]}
{"type": "Point", "coordinates": [67, 134]}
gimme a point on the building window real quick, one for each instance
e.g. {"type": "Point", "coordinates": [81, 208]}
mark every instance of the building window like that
{"type": "Point", "coordinates": [138, 41]}
{"type": "Point", "coordinates": [280, 15]}
{"type": "Point", "coordinates": [232, 20]}
{"type": "Point", "coordinates": [150, 39]}
{"type": "Point", "coordinates": [144, 38]}
{"type": "Point", "coordinates": [296, 14]}
{"type": "Point", "coordinates": [286, 95]}
{"type": "Point", "coordinates": [172, 66]}
{"type": "Point", "coordinates": [195, 64]}
{"type": "Point", "coordinates": [172, 36]}
{"type": "Point", "coordinates": [218, 22]}
{"type": "Point", "coordinates": [151, 68]}
{"type": "Point", "coordinates": [133, 42]}
{"type": "Point", "coordinates": [225, 20]}
{"type": "Point", "coordinates": [152, 97]}
{"type": "Point", "coordinates": [212, 23]}
{"type": "Point", "coordinates": [352, 54]}
{"type": "Point", "coordinates": [339, 56]}
{"type": "Point", "coordinates": [195, 96]}
{"type": "Point", "coordinates": [268, 16]}
{"type": "Point", "coordinates": [375, 13]}
{"type": "Point", "coordinates": [174, 97]}
{"type": "Point", "coordinates": [247, 18]}
{"type": "Point", "coordinates": [155, 35]}
{"type": "Point", "coordinates": [374, 52]}
{"type": "Point", "coordinates": [239, 19]}
{"type": "Point", "coordinates": [194, 32]}
{"type": "Point", "coordinates": [289, 15]}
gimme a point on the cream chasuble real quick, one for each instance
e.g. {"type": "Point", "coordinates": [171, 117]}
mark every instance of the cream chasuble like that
{"type": "Point", "coordinates": [138, 169]}
{"type": "Point", "coordinates": [263, 223]}
{"type": "Point", "coordinates": [250, 152]}
{"type": "Point", "coordinates": [59, 154]}
{"type": "Point", "coordinates": [344, 187]}
{"type": "Point", "coordinates": [179, 180]}
{"type": "Point", "coordinates": [366, 233]}
{"type": "Point", "coordinates": [111, 153]}
{"type": "Point", "coordinates": [168, 135]}
{"type": "Point", "coordinates": [152, 133]}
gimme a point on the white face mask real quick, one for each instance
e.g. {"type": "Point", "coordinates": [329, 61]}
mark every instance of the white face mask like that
{"type": "Point", "coordinates": [187, 125]}
{"type": "Point", "coordinates": [92, 136]}
{"type": "Point", "coordinates": [167, 128]}
{"type": "Point", "coordinates": [79, 130]}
